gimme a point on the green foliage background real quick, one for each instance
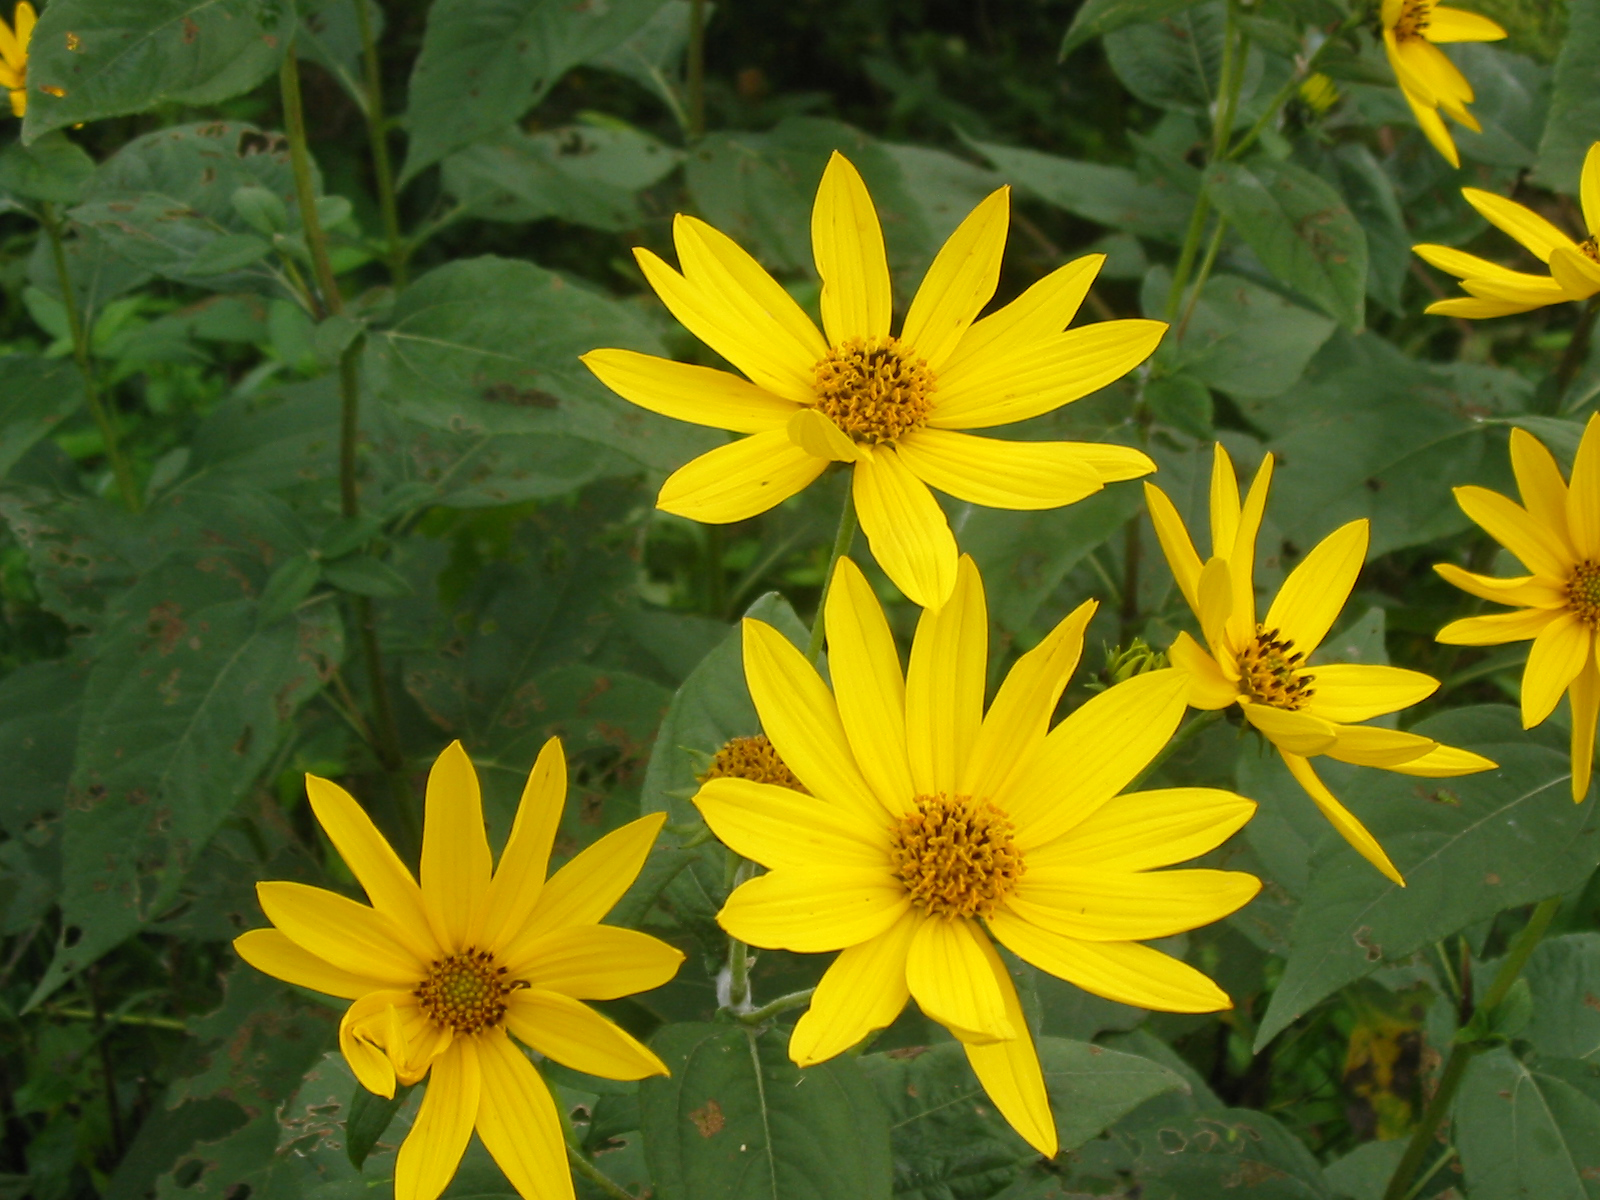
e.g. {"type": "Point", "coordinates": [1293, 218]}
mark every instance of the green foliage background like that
{"type": "Point", "coordinates": [191, 618]}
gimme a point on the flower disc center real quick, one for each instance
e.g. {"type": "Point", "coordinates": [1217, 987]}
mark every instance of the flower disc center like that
{"type": "Point", "coordinates": [1590, 246]}
{"type": "Point", "coordinates": [873, 389]}
{"type": "Point", "coordinates": [465, 991]}
{"type": "Point", "coordinates": [956, 855]}
{"type": "Point", "coordinates": [1270, 669]}
{"type": "Point", "coordinates": [753, 758]}
{"type": "Point", "coordinates": [1583, 592]}
{"type": "Point", "coordinates": [1412, 24]}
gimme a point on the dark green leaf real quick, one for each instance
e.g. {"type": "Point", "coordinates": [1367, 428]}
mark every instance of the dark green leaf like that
{"type": "Point", "coordinates": [52, 169]}
{"type": "Point", "coordinates": [1564, 975]}
{"type": "Point", "coordinates": [1098, 17]}
{"type": "Point", "coordinates": [1113, 196]}
{"type": "Point", "coordinates": [1175, 62]}
{"type": "Point", "coordinates": [1181, 401]}
{"type": "Point", "coordinates": [1524, 1133]}
{"type": "Point", "coordinates": [1574, 100]}
{"type": "Point", "coordinates": [287, 587]}
{"type": "Point", "coordinates": [261, 208]}
{"type": "Point", "coordinates": [1224, 1155]}
{"type": "Point", "coordinates": [1371, 194]}
{"type": "Point", "coordinates": [369, 1120]}
{"type": "Point", "coordinates": [39, 394]}
{"type": "Point", "coordinates": [230, 252]}
{"type": "Point", "coordinates": [1511, 96]}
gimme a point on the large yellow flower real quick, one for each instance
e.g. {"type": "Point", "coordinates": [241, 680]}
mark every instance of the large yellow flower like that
{"type": "Point", "coordinates": [893, 406]}
{"type": "Point", "coordinates": [440, 973]}
{"type": "Point", "coordinates": [929, 823]}
{"type": "Point", "coordinates": [1263, 666]}
{"type": "Point", "coordinates": [14, 55]}
{"type": "Point", "coordinates": [1555, 531]}
{"type": "Point", "coordinates": [1496, 291]}
{"type": "Point", "coordinates": [1429, 80]}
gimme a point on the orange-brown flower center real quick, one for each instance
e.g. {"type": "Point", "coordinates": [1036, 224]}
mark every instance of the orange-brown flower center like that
{"type": "Point", "coordinates": [466, 991]}
{"type": "Point", "coordinates": [753, 758]}
{"type": "Point", "coordinates": [955, 855]}
{"type": "Point", "coordinates": [1412, 23]}
{"type": "Point", "coordinates": [1591, 248]}
{"type": "Point", "coordinates": [1270, 668]}
{"type": "Point", "coordinates": [874, 389]}
{"type": "Point", "coordinates": [1583, 592]}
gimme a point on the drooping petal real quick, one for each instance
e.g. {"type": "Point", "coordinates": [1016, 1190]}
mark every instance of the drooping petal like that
{"type": "Point", "coordinates": [1458, 25]}
{"type": "Point", "coordinates": [847, 243]}
{"type": "Point", "coordinates": [1349, 692]}
{"type": "Point", "coordinates": [338, 930]}
{"type": "Point", "coordinates": [1098, 905]}
{"type": "Point", "coordinates": [432, 1150]}
{"type": "Point", "coordinates": [1209, 687]}
{"type": "Point", "coordinates": [1525, 590]}
{"type": "Point", "coordinates": [944, 684]}
{"type": "Point", "coordinates": [814, 909]}
{"type": "Point", "coordinates": [1589, 189]}
{"type": "Point", "coordinates": [684, 392]}
{"type": "Point", "coordinates": [1492, 630]}
{"type": "Point", "coordinates": [456, 862]}
{"type": "Point", "coordinates": [1009, 1070]}
{"type": "Point", "coordinates": [273, 953]}
{"type": "Point", "coordinates": [778, 827]}
{"type": "Point", "coordinates": [1583, 498]}
{"type": "Point", "coordinates": [868, 686]}
{"type": "Point", "coordinates": [596, 962]}
{"type": "Point", "coordinates": [863, 990]}
{"type": "Point", "coordinates": [955, 983]}
{"type": "Point", "coordinates": [1558, 654]}
{"type": "Point", "coordinates": [816, 434]}
{"type": "Point", "coordinates": [1422, 101]}
{"type": "Point", "coordinates": [1046, 308]}
{"type": "Point", "coordinates": [959, 282]}
{"type": "Point", "coordinates": [1340, 817]}
{"type": "Point", "coordinates": [1297, 732]}
{"type": "Point", "coordinates": [576, 1036]}
{"type": "Point", "coordinates": [739, 480]}
{"type": "Point", "coordinates": [1182, 559]}
{"type": "Point", "coordinates": [1375, 746]}
{"type": "Point", "coordinates": [519, 1124]}
{"type": "Point", "coordinates": [589, 886]}
{"type": "Point", "coordinates": [1313, 595]}
{"type": "Point", "coordinates": [519, 877]}
{"type": "Point", "coordinates": [1585, 712]}
{"type": "Point", "coordinates": [1142, 830]}
{"type": "Point", "coordinates": [1521, 222]}
{"type": "Point", "coordinates": [905, 528]}
{"type": "Point", "coordinates": [998, 474]}
{"type": "Point", "coordinates": [368, 1057]}
{"type": "Point", "coordinates": [388, 884]}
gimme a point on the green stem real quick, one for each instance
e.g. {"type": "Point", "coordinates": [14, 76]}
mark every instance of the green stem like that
{"type": "Point", "coordinates": [87, 1014]}
{"type": "Point", "coordinates": [1577, 351]}
{"type": "Point", "coordinates": [1357, 16]}
{"type": "Point", "coordinates": [1206, 263]}
{"type": "Point", "coordinates": [1235, 47]}
{"type": "Point", "coordinates": [697, 69]}
{"type": "Point", "coordinates": [776, 1007]}
{"type": "Point", "coordinates": [377, 134]}
{"type": "Point", "coordinates": [1191, 247]}
{"type": "Point", "coordinates": [1460, 1055]}
{"type": "Point", "coordinates": [596, 1176]}
{"type": "Point", "coordinates": [121, 469]}
{"type": "Point", "coordinates": [294, 125]}
{"type": "Point", "coordinates": [1177, 741]}
{"type": "Point", "coordinates": [841, 547]}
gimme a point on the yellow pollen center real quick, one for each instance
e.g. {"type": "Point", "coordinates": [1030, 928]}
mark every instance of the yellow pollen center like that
{"type": "Point", "coordinates": [956, 855]}
{"type": "Point", "coordinates": [1583, 592]}
{"type": "Point", "coordinates": [1412, 23]}
{"type": "Point", "coordinates": [1591, 248]}
{"type": "Point", "coordinates": [753, 758]}
{"type": "Point", "coordinates": [873, 389]}
{"type": "Point", "coordinates": [466, 991]}
{"type": "Point", "coordinates": [1271, 671]}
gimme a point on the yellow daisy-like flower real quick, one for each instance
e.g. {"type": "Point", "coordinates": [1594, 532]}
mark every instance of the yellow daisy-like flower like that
{"type": "Point", "coordinates": [1263, 666]}
{"type": "Point", "coordinates": [930, 823]}
{"type": "Point", "coordinates": [14, 55]}
{"type": "Point", "coordinates": [443, 971]}
{"type": "Point", "coordinates": [893, 406]}
{"type": "Point", "coordinates": [1555, 531]}
{"type": "Point", "coordinates": [1429, 80]}
{"type": "Point", "coordinates": [1496, 291]}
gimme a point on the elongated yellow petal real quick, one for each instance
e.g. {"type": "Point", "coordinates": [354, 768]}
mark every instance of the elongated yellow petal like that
{"type": "Point", "coordinates": [1122, 971]}
{"type": "Point", "coordinates": [1375, 746]}
{"type": "Point", "coordinates": [863, 990]}
{"type": "Point", "coordinates": [1522, 289]}
{"type": "Point", "coordinates": [432, 1150]}
{"type": "Point", "coordinates": [700, 395]}
{"type": "Point", "coordinates": [1242, 555]}
{"type": "Point", "coordinates": [847, 242]}
{"type": "Point", "coordinates": [1009, 1070]}
{"type": "Point", "coordinates": [954, 983]}
{"type": "Point", "coordinates": [1583, 498]}
{"type": "Point", "coordinates": [1432, 125]}
{"type": "Point", "coordinates": [1589, 189]}
{"type": "Point", "coordinates": [1142, 830]}
{"type": "Point", "coordinates": [271, 951]}
{"type": "Point", "coordinates": [1311, 598]}
{"type": "Point", "coordinates": [11, 49]}
{"type": "Point", "coordinates": [868, 686]}
{"type": "Point", "coordinates": [385, 879]}
{"type": "Point", "coordinates": [1097, 905]}
{"type": "Point", "coordinates": [1577, 275]}
{"type": "Point", "coordinates": [589, 886]}
{"type": "Point", "coordinates": [1348, 692]}
{"type": "Point", "coordinates": [944, 685]}
{"type": "Point", "coordinates": [997, 474]}
{"type": "Point", "coordinates": [1443, 762]}
{"type": "Point", "coordinates": [597, 962]}
{"type": "Point", "coordinates": [1521, 222]}
{"type": "Point", "coordinates": [1469, 266]}
{"type": "Point", "coordinates": [572, 1033]}
{"type": "Point", "coordinates": [1585, 712]}
{"type": "Point", "coordinates": [456, 863]}
{"type": "Point", "coordinates": [817, 435]}
{"type": "Point", "coordinates": [1508, 523]}
{"type": "Point", "coordinates": [1473, 309]}
{"type": "Point", "coordinates": [1216, 607]}
{"type": "Point", "coordinates": [1525, 590]}
{"type": "Point", "coordinates": [1492, 630]}
{"type": "Point", "coordinates": [1457, 25]}
{"type": "Point", "coordinates": [906, 528]}
{"type": "Point", "coordinates": [519, 877]}
{"type": "Point", "coordinates": [1015, 725]}
{"type": "Point", "coordinates": [1113, 463]}
{"type": "Point", "coordinates": [960, 281]}
{"type": "Point", "coordinates": [1182, 559]}
{"type": "Point", "coordinates": [1544, 491]}
{"type": "Point", "coordinates": [1448, 86]}
{"type": "Point", "coordinates": [1340, 817]}
{"type": "Point", "coordinates": [1558, 654]}
{"type": "Point", "coordinates": [1046, 308]}
{"type": "Point", "coordinates": [518, 1122]}
{"type": "Point", "coordinates": [1224, 503]}
{"type": "Point", "coordinates": [778, 827]}
{"type": "Point", "coordinates": [814, 909]}
{"type": "Point", "coordinates": [1295, 732]}
{"type": "Point", "coordinates": [739, 480]}
{"type": "Point", "coordinates": [981, 391]}
{"type": "Point", "coordinates": [799, 714]}
{"type": "Point", "coordinates": [336, 930]}
{"type": "Point", "coordinates": [1209, 688]}
{"type": "Point", "coordinates": [25, 18]}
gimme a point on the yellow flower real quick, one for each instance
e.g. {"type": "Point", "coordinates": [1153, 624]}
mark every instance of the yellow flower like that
{"type": "Point", "coordinates": [440, 973]}
{"type": "Point", "coordinates": [929, 822]}
{"type": "Point", "coordinates": [1318, 93]}
{"type": "Point", "coordinates": [1264, 668]}
{"type": "Point", "coordinates": [1556, 534]}
{"type": "Point", "coordinates": [1429, 80]}
{"type": "Point", "coordinates": [892, 406]}
{"type": "Point", "coordinates": [14, 55]}
{"type": "Point", "coordinates": [1496, 291]}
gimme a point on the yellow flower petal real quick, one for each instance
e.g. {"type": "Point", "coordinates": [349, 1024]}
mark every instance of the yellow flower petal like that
{"type": "Point", "coordinates": [1519, 289]}
{"type": "Point", "coordinates": [847, 242]}
{"type": "Point", "coordinates": [589, 886]}
{"type": "Point", "coordinates": [432, 1150]}
{"type": "Point", "coordinates": [1589, 188]}
{"type": "Point", "coordinates": [1543, 490]}
{"type": "Point", "coordinates": [1558, 654]}
{"type": "Point", "coordinates": [1348, 692]}
{"type": "Point", "coordinates": [456, 863]}
{"type": "Point", "coordinates": [862, 991]}
{"type": "Point", "coordinates": [739, 480]}
{"type": "Point", "coordinates": [1142, 830]}
{"type": "Point", "coordinates": [1375, 746]}
{"type": "Point", "coordinates": [1521, 222]}
{"type": "Point", "coordinates": [819, 437]}
{"type": "Point", "coordinates": [699, 395]}
{"type": "Point", "coordinates": [1492, 630]}
{"type": "Point", "coordinates": [12, 50]}
{"type": "Point", "coordinates": [1468, 266]}
{"type": "Point", "coordinates": [1443, 79]}
{"type": "Point", "coordinates": [573, 1034]}
{"type": "Point", "coordinates": [1583, 498]}
{"type": "Point", "coordinates": [1443, 762]}
{"type": "Point", "coordinates": [1224, 498]}
{"type": "Point", "coordinates": [1097, 905]}
{"type": "Point", "coordinates": [1046, 308]}
{"type": "Point", "coordinates": [905, 528]}
{"type": "Point", "coordinates": [1182, 560]}
{"type": "Point", "coordinates": [385, 879]}
{"type": "Point", "coordinates": [1310, 599]}
{"type": "Point", "coordinates": [1340, 817]}
{"type": "Point", "coordinates": [1473, 309]}
{"type": "Point", "coordinates": [1242, 554]}
{"type": "Point", "coordinates": [1295, 732]}
{"type": "Point", "coordinates": [25, 19]}
{"type": "Point", "coordinates": [1585, 712]}
{"type": "Point", "coordinates": [598, 962]}
{"type": "Point", "coordinates": [960, 281]}
{"type": "Point", "coordinates": [945, 683]}
{"type": "Point", "coordinates": [1113, 463]}
{"type": "Point", "coordinates": [814, 909]}
{"type": "Point", "coordinates": [1457, 25]}
{"type": "Point", "coordinates": [1431, 124]}
{"type": "Point", "coordinates": [519, 877]}
{"type": "Point", "coordinates": [1575, 273]}
{"type": "Point", "coordinates": [1122, 971]}
{"type": "Point", "coordinates": [868, 686]}
{"type": "Point", "coordinates": [778, 827]}
{"type": "Point", "coordinates": [368, 1059]}
{"type": "Point", "coordinates": [997, 474]}
{"type": "Point", "coordinates": [955, 983]}
{"type": "Point", "coordinates": [1209, 688]}
{"type": "Point", "coordinates": [519, 1124]}
{"type": "Point", "coordinates": [271, 952]}
{"type": "Point", "coordinates": [1009, 1070]}
{"type": "Point", "coordinates": [336, 930]}
{"type": "Point", "coordinates": [1525, 590]}
{"type": "Point", "coordinates": [1216, 594]}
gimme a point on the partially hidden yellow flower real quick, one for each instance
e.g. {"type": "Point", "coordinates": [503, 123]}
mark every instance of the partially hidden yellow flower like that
{"type": "Point", "coordinates": [14, 55]}
{"type": "Point", "coordinates": [932, 827]}
{"type": "Point", "coordinates": [1555, 531]}
{"type": "Point", "coordinates": [1264, 666]}
{"type": "Point", "coordinates": [442, 972]}
{"type": "Point", "coordinates": [1496, 291]}
{"type": "Point", "coordinates": [893, 406]}
{"type": "Point", "coordinates": [1318, 93]}
{"type": "Point", "coordinates": [1429, 81]}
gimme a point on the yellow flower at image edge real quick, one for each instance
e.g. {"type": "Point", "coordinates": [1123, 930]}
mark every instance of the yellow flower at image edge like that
{"type": "Point", "coordinates": [1555, 531]}
{"type": "Point", "coordinates": [892, 406]}
{"type": "Point", "coordinates": [1429, 81]}
{"type": "Point", "coordinates": [1263, 666]}
{"type": "Point", "coordinates": [14, 41]}
{"type": "Point", "coordinates": [443, 972]}
{"type": "Point", "coordinates": [932, 826]}
{"type": "Point", "coordinates": [1496, 291]}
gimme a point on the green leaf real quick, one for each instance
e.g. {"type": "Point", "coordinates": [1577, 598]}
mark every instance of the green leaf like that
{"type": "Point", "coordinates": [1574, 101]}
{"type": "Point", "coordinates": [228, 253]}
{"type": "Point", "coordinates": [738, 1121]}
{"type": "Point", "coordinates": [287, 587]}
{"type": "Point", "coordinates": [652, 56]}
{"type": "Point", "coordinates": [52, 169]}
{"type": "Point", "coordinates": [1524, 1133]}
{"type": "Point", "coordinates": [484, 63]}
{"type": "Point", "coordinates": [261, 208]}
{"type": "Point", "coordinates": [1175, 62]}
{"type": "Point", "coordinates": [1375, 203]}
{"type": "Point", "coordinates": [92, 59]}
{"type": "Point", "coordinates": [1221, 1155]}
{"type": "Point", "coordinates": [366, 576]}
{"type": "Point", "coordinates": [1097, 17]}
{"type": "Point", "coordinates": [1364, 1173]}
{"type": "Point", "coordinates": [1181, 401]}
{"type": "Point", "coordinates": [1468, 848]}
{"type": "Point", "coordinates": [1511, 94]}
{"type": "Point", "coordinates": [1301, 230]}
{"type": "Point", "coordinates": [370, 1117]}
{"type": "Point", "coordinates": [1564, 975]}
{"type": "Point", "coordinates": [1107, 195]}
{"type": "Point", "coordinates": [39, 394]}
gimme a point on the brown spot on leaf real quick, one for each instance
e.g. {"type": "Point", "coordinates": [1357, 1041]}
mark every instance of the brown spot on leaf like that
{"type": "Point", "coordinates": [708, 1119]}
